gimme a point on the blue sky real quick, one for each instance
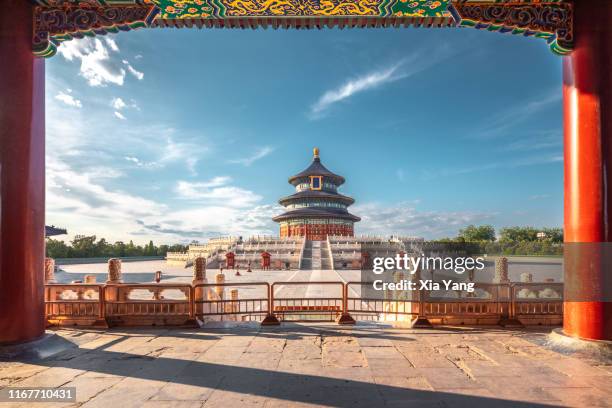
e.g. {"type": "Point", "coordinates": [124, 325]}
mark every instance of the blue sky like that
{"type": "Point", "coordinates": [174, 135]}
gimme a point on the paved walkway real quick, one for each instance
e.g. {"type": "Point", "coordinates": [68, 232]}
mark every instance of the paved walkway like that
{"type": "Point", "coordinates": [314, 365]}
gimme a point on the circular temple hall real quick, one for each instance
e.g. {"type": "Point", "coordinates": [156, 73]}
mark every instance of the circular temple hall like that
{"type": "Point", "coordinates": [316, 210]}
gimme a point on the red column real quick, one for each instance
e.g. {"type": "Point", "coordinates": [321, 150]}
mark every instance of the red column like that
{"type": "Point", "coordinates": [22, 177]}
{"type": "Point", "coordinates": [587, 95]}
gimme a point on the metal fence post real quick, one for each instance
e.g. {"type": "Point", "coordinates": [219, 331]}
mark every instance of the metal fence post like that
{"type": "Point", "coordinates": [345, 317]}
{"type": "Point", "coordinates": [270, 319]}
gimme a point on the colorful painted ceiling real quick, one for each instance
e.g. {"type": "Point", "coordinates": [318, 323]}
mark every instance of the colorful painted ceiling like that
{"type": "Point", "coordinates": [62, 20]}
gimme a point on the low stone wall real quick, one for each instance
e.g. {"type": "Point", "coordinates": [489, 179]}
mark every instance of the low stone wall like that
{"type": "Point", "coordinates": [73, 261]}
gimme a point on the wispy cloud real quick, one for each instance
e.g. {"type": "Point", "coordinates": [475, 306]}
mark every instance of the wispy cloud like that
{"type": "Point", "coordinates": [95, 183]}
{"type": "Point", "coordinates": [540, 140]}
{"type": "Point", "coordinates": [401, 176]}
{"type": "Point", "coordinates": [79, 200]}
{"type": "Point", "coordinates": [120, 115]}
{"type": "Point", "coordinates": [508, 164]}
{"type": "Point", "coordinates": [68, 99]}
{"type": "Point", "coordinates": [119, 104]}
{"type": "Point", "coordinates": [371, 80]}
{"type": "Point", "coordinates": [258, 154]}
{"type": "Point", "coordinates": [500, 123]}
{"type": "Point", "coordinates": [141, 163]}
{"type": "Point", "coordinates": [539, 196]}
{"type": "Point", "coordinates": [99, 65]}
{"type": "Point", "coordinates": [405, 68]}
{"type": "Point", "coordinates": [211, 221]}
{"type": "Point", "coordinates": [405, 219]}
{"type": "Point", "coordinates": [216, 191]}
{"type": "Point", "coordinates": [137, 74]}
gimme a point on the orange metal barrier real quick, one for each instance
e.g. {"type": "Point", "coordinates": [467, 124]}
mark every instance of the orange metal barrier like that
{"type": "Point", "coordinates": [374, 309]}
{"type": "Point", "coordinates": [172, 304]}
{"type": "Point", "coordinates": [307, 308]}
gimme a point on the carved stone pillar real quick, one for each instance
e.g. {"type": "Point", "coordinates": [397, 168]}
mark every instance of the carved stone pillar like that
{"type": "Point", "coordinates": [114, 271]}
{"type": "Point", "coordinates": [199, 270]}
{"type": "Point", "coordinates": [501, 270]}
{"type": "Point", "coordinates": [50, 270]}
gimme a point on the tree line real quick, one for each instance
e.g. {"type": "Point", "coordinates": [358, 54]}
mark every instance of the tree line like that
{"type": "Point", "coordinates": [89, 247]}
{"type": "Point", "coordinates": [512, 240]}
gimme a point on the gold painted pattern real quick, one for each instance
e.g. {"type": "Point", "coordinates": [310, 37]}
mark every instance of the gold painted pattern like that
{"type": "Point", "coordinates": [302, 8]}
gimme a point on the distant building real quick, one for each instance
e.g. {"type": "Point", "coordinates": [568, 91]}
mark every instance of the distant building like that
{"type": "Point", "coordinates": [316, 232]}
{"type": "Point", "coordinates": [316, 210]}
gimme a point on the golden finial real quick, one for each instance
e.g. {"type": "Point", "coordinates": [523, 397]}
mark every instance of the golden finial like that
{"type": "Point", "coordinates": [315, 152]}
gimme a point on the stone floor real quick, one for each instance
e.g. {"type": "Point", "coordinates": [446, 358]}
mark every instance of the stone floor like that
{"type": "Point", "coordinates": [310, 365]}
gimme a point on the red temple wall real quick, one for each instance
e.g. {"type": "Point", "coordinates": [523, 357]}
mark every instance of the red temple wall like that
{"type": "Point", "coordinates": [316, 231]}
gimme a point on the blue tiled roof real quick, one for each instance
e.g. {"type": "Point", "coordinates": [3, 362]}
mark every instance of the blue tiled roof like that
{"type": "Point", "coordinates": [52, 230]}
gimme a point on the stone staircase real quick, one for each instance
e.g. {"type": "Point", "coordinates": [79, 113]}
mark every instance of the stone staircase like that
{"type": "Point", "coordinates": [326, 262]}
{"type": "Point", "coordinates": [307, 256]}
{"type": "Point", "coordinates": [316, 256]}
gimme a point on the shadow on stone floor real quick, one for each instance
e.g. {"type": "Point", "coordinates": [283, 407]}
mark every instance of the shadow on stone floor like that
{"type": "Point", "coordinates": [296, 331]}
{"type": "Point", "coordinates": [320, 387]}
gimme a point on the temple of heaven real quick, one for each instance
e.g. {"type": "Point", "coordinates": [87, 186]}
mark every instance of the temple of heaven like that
{"type": "Point", "coordinates": [316, 210]}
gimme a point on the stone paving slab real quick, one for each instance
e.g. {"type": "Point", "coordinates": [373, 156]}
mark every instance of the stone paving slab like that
{"type": "Point", "coordinates": [313, 365]}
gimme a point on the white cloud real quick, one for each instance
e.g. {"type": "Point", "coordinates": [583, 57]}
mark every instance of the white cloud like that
{"type": "Point", "coordinates": [184, 152]}
{"type": "Point", "coordinates": [258, 154]}
{"type": "Point", "coordinates": [134, 160]}
{"type": "Point", "coordinates": [211, 221]}
{"type": "Point", "coordinates": [216, 191]}
{"type": "Point", "coordinates": [139, 75]}
{"type": "Point", "coordinates": [97, 66]}
{"type": "Point", "coordinates": [68, 99]}
{"type": "Point", "coordinates": [81, 202]}
{"type": "Point", "coordinates": [405, 219]}
{"type": "Point", "coordinates": [163, 155]}
{"type": "Point", "coordinates": [111, 43]}
{"type": "Point", "coordinates": [86, 158]}
{"type": "Point", "coordinates": [118, 104]}
{"type": "Point", "coordinates": [78, 201]}
{"type": "Point", "coordinates": [120, 115]}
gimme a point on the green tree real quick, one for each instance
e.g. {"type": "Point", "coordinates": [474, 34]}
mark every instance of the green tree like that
{"type": "Point", "coordinates": [473, 233]}
{"type": "Point", "coordinates": [554, 234]}
{"type": "Point", "coordinates": [88, 247]}
{"type": "Point", "coordinates": [84, 246]}
{"type": "Point", "coordinates": [57, 249]}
